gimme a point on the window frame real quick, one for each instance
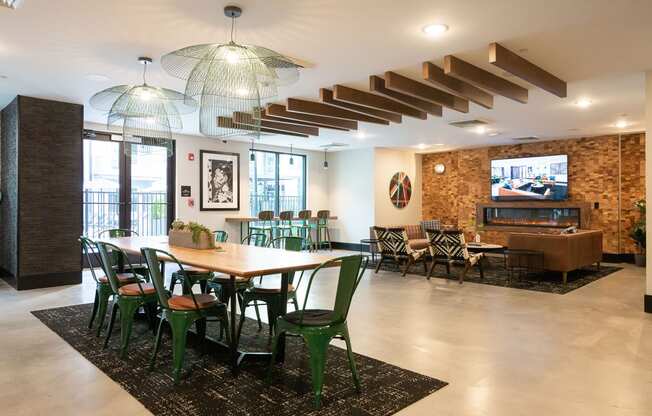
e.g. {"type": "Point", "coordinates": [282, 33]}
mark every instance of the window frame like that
{"type": "Point", "coordinates": [277, 186]}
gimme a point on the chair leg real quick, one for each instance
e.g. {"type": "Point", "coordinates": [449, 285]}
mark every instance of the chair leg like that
{"type": "Point", "coordinates": [349, 353]}
{"type": "Point", "coordinates": [328, 239]}
{"type": "Point", "coordinates": [425, 265]}
{"type": "Point", "coordinates": [200, 327]}
{"type": "Point", "coordinates": [242, 319]}
{"type": "Point", "coordinates": [260, 324]}
{"type": "Point", "coordinates": [481, 269]}
{"type": "Point", "coordinates": [94, 311]}
{"type": "Point", "coordinates": [114, 311]}
{"type": "Point", "coordinates": [179, 325]}
{"type": "Point", "coordinates": [272, 361]}
{"type": "Point", "coordinates": [127, 311]}
{"type": "Point", "coordinates": [431, 268]}
{"type": "Point", "coordinates": [407, 265]}
{"type": "Point", "coordinates": [157, 343]}
{"type": "Point", "coordinates": [104, 293]}
{"type": "Point", "coordinates": [448, 268]}
{"type": "Point", "coordinates": [318, 346]}
{"type": "Point", "coordinates": [295, 302]}
{"type": "Point", "coordinates": [463, 273]}
{"type": "Point", "coordinates": [379, 263]}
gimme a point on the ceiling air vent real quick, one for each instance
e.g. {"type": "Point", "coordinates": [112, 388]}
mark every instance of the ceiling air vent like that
{"type": "Point", "coordinates": [9, 3]}
{"type": "Point", "coordinates": [525, 139]}
{"type": "Point", "coordinates": [468, 123]}
{"type": "Point", "coordinates": [333, 145]}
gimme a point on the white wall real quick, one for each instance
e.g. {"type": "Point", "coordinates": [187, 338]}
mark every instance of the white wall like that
{"type": "Point", "coordinates": [187, 173]}
{"type": "Point", "coordinates": [387, 163]}
{"type": "Point", "coordinates": [351, 194]}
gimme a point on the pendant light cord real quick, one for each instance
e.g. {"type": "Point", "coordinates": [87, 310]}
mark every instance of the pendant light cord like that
{"type": "Point", "coordinates": [144, 72]}
{"type": "Point", "coordinates": [232, 26]}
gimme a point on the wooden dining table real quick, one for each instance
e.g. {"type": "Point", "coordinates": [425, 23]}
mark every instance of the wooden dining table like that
{"type": "Point", "coordinates": [234, 260]}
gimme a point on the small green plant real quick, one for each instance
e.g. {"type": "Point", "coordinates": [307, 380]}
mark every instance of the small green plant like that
{"type": "Point", "coordinates": [195, 228]}
{"type": "Point", "coordinates": [638, 231]}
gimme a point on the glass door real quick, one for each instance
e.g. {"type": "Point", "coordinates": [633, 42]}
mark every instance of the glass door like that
{"type": "Point", "coordinates": [127, 185]}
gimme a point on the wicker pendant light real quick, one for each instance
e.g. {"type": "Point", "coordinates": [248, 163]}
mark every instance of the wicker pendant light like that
{"type": "Point", "coordinates": [146, 114]}
{"type": "Point", "coordinates": [228, 78]}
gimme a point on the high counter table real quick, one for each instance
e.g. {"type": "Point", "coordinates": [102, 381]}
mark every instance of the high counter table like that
{"type": "Point", "coordinates": [244, 221]}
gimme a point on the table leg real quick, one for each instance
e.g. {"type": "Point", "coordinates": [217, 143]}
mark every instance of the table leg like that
{"type": "Point", "coordinates": [283, 308]}
{"type": "Point", "coordinates": [232, 325]}
{"type": "Point", "coordinates": [241, 226]}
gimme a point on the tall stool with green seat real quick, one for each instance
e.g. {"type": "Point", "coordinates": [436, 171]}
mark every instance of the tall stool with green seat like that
{"type": "Point", "coordinates": [139, 268]}
{"type": "Point", "coordinates": [285, 227]}
{"type": "Point", "coordinates": [271, 295]}
{"type": "Point", "coordinates": [126, 298]}
{"type": "Point", "coordinates": [304, 228]}
{"type": "Point", "coordinates": [319, 326]}
{"type": "Point", "coordinates": [221, 283]}
{"type": "Point", "coordinates": [264, 225]}
{"type": "Point", "coordinates": [180, 312]}
{"type": "Point", "coordinates": [321, 229]}
{"type": "Point", "coordinates": [103, 290]}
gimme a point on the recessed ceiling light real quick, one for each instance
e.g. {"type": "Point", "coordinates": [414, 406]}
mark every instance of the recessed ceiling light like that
{"type": "Point", "coordinates": [360, 135]}
{"type": "Point", "coordinates": [435, 29]}
{"type": "Point", "coordinates": [438, 144]}
{"type": "Point", "coordinates": [480, 129]}
{"type": "Point", "coordinates": [493, 134]}
{"type": "Point", "coordinates": [422, 146]}
{"type": "Point", "coordinates": [622, 123]}
{"type": "Point", "coordinates": [97, 77]}
{"type": "Point", "coordinates": [583, 103]}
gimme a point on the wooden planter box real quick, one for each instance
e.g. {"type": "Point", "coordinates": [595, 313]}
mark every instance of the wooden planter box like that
{"type": "Point", "coordinates": [184, 239]}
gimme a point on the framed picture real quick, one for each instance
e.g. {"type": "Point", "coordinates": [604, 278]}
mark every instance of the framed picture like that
{"type": "Point", "coordinates": [219, 181]}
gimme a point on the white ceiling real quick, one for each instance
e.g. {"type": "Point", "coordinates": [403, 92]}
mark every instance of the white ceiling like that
{"type": "Point", "coordinates": [601, 47]}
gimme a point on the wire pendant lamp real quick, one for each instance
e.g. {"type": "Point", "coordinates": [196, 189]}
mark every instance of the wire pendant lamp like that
{"type": "Point", "coordinates": [147, 114]}
{"type": "Point", "coordinates": [228, 78]}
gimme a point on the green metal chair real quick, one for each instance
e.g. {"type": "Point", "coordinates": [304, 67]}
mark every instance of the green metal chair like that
{"type": "Point", "coordinates": [321, 229]}
{"type": "Point", "coordinates": [285, 227]}
{"type": "Point", "coordinates": [271, 295]}
{"type": "Point", "coordinates": [221, 236]}
{"type": "Point", "coordinates": [126, 298]}
{"type": "Point", "coordinates": [103, 290]}
{"type": "Point", "coordinates": [264, 225]}
{"type": "Point", "coordinates": [304, 228]}
{"type": "Point", "coordinates": [180, 312]}
{"type": "Point", "coordinates": [139, 268]}
{"type": "Point", "coordinates": [221, 283]}
{"type": "Point", "coordinates": [319, 326]}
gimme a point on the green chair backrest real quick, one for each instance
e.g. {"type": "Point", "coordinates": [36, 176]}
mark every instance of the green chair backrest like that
{"type": "Point", "coordinates": [108, 253]}
{"type": "Point", "coordinates": [91, 256]}
{"type": "Point", "coordinates": [305, 216]}
{"type": "Point", "coordinates": [322, 217]}
{"type": "Point", "coordinates": [287, 243]}
{"type": "Point", "coordinates": [118, 232]}
{"type": "Point", "coordinates": [352, 269]}
{"type": "Point", "coordinates": [221, 236]}
{"type": "Point", "coordinates": [285, 217]}
{"type": "Point", "coordinates": [151, 256]}
{"type": "Point", "coordinates": [257, 239]}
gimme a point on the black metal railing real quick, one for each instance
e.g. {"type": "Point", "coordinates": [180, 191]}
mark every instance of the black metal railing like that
{"type": "Point", "coordinates": [259, 203]}
{"type": "Point", "coordinates": [101, 210]}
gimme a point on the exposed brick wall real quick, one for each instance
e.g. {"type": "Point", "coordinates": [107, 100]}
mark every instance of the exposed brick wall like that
{"type": "Point", "coordinates": [593, 177]}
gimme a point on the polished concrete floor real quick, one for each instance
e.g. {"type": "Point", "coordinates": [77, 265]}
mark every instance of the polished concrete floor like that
{"type": "Point", "coordinates": [504, 351]}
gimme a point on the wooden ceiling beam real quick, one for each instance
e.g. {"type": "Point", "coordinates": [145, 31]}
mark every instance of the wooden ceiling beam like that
{"type": "Point", "coordinates": [298, 105]}
{"type": "Point", "coordinates": [265, 116]}
{"type": "Point", "coordinates": [470, 73]}
{"type": "Point", "coordinates": [367, 99]}
{"type": "Point", "coordinates": [326, 96]}
{"type": "Point", "coordinates": [399, 83]}
{"type": "Point", "coordinates": [228, 123]}
{"type": "Point", "coordinates": [434, 74]}
{"type": "Point", "coordinates": [507, 60]}
{"type": "Point", "coordinates": [280, 111]}
{"type": "Point", "coordinates": [248, 119]}
{"type": "Point", "coordinates": [377, 84]}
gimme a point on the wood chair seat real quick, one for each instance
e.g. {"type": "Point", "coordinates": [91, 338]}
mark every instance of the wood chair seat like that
{"type": "Point", "coordinates": [311, 317]}
{"type": "Point", "coordinates": [133, 289]}
{"type": "Point", "coordinates": [123, 278]}
{"type": "Point", "coordinates": [263, 288]}
{"type": "Point", "coordinates": [185, 302]}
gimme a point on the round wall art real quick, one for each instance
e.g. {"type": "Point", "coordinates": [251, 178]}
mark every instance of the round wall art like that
{"type": "Point", "coordinates": [400, 190]}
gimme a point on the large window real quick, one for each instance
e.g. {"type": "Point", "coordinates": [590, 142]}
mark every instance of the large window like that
{"type": "Point", "coordinates": [126, 185]}
{"type": "Point", "coordinates": [277, 182]}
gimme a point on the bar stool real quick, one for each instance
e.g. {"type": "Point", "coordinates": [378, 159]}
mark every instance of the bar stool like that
{"type": "Point", "coordinates": [265, 225]}
{"type": "Point", "coordinates": [303, 229]}
{"type": "Point", "coordinates": [284, 227]}
{"type": "Point", "coordinates": [323, 234]}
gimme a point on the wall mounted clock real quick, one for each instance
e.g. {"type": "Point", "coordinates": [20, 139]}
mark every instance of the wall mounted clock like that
{"type": "Point", "coordinates": [400, 190]}
{"type": "Point", "coordinates": [440, 168]}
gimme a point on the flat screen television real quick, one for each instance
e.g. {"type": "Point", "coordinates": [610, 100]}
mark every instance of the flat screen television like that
{"type": "Point", "coordinates": [530, 178]}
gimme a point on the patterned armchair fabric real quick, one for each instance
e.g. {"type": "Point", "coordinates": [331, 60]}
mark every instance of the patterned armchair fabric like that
{"type": "Point", "coordinates": [395, 243]}
{"type": "Point", "coordinates": [430, 225]}
{"type": "Point", "coordinates": [448, 247]}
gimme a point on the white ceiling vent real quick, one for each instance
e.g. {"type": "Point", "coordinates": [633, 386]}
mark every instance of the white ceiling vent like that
{"type": "Point", "coordinates": [9, 3]}
{"type": "Point", "coordinates": [525, 139]}
{"type": "Point", "coordinates": [333, 145]}
{"type": "Point", "coordinates": [465, 124]}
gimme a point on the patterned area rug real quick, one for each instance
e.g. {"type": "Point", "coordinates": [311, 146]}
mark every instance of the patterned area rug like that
{"type": "Point", "coordinates": [210, 389]}
{"type": "Point", "coordinates": [495, 274]}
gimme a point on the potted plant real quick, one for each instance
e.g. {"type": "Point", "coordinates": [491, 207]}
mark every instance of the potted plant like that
{"type": "Point", "coordinates": [191, 235]}
{"type": "Point", "coordinates": [638, 234]}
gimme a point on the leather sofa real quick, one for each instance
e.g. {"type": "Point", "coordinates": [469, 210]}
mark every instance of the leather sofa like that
{"type": "Point", "coordinates": [562, 252]}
